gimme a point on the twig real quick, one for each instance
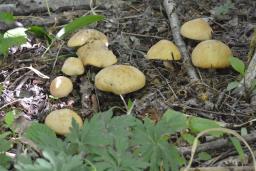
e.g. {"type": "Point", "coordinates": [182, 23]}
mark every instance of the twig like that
{"type": "Point", "coordinates": [170, 6]}
{"type": "Point", "coordinates": [224, 130]}
{"type": "Point", "coordinates": [217, 144]}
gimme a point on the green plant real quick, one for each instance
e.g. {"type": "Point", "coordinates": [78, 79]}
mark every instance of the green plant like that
{"type": "Point", "coordinates": [224, 8]}
{"type": "Point", "coordinates": [111, 143]}
{"type": "Point", "coordinates": [239, 66]}
{"type": "Point", "coordinates": [18, 35]}
{"type": "Point", "coordinates": [108, 143]}
{"type": "Point", "coordinates": [114, 143]}
{"type": "Point", "coordinates": [5, 145]}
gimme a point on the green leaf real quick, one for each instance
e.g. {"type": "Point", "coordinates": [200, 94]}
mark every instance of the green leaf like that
{"type": "Point", "coordinates": [177, 121]}
{"type": "Point", "coordinates": [40, 32]}
{"type": "Point", "coordinates": [5, 134]}
{"type": "Point", "coordinates": [237, 65]}
{"type": "Point", "coordinates": [232, 85]}
{"type": "Point", "coordinates": [197, 125]}
{"type": "Point", "coordinates": [9, 118]}
{"type": "Point", "coordinates": [44, 137]}
{"type": "Point", "coordinates": [4, 145]}
{"type": "Point", "coordinates": [1, 88]}
{"type": "Point", "coordinates": [5, 161]}
{"type": "Point", "coordinates": [188, 137]}
{"type": "Point", "coordinates": [129, 104]}
{"type": "Point", "coordinates": [6, 43]}
{"type": "Point", "coordinates": [2, 168]}
{"type": "Point", "coordinates": [155, 149]}
{"type": "Point", "coordinates": [203, 156]}
{"type": "Point", "coordinates": [7, 17]}
{"type": "Point", "coordinates": [51, 162]}
{"type": "Point", "coordinates": [77, 24]}
{"type": "Point", "coordinates": [238, 147]}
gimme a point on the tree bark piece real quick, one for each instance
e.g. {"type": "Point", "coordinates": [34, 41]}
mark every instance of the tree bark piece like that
{"type": "Point", "coordinates": [170, 6]}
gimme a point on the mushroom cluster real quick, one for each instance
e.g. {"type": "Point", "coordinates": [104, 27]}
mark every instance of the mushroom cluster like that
{"type": "Point", "coordinates": [92, 50]}
{"type": "Point", "coordinates": [210, 53]}
{"type": "Point", "coordinates": [122, 79]}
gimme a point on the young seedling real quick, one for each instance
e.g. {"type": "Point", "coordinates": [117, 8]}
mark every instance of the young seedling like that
{"type": "Point", "coordinates": [239, 66]}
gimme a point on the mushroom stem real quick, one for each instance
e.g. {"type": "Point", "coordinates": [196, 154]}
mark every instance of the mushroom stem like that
{"type": "Point", "coordinates": [125, 105]}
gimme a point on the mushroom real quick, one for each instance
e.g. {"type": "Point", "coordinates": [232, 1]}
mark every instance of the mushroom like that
{"type": "Point", "coordinates": [73, 66]}
{"type": "Point", "coordinates": [164, 50]}
{"type": "Point", "coordinates": [120, 80]}
{"type": "Point", "coordinates": [196, 29]}
{"type": "Point", "coordinates": [60, 121]}
{"type": "Point", "coordinates": [87, 36]}
{"type": "Point", "coordinates": [211, 54]}
{"type": "Point", "coordinates": [96, 56]}
{"type": "Point", "coordinates": [61, 86]}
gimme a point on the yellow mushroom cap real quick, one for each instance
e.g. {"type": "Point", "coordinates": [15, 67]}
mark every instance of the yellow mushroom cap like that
{"type": "Point", "coordinates": [96, 56]}
{"type": "Point", "coordinates": [197, 29]}
{"type": "Point", "coordinates": [120, 79]}
{"type": "Point", "coordinates": [164, 50]}
{"type": "Point", "coordinates": [60, 121]}
{"type": "Point", "coordinates": [61, 86]}
{"type": "Point", "coordinates": [211, 54]}
{"type": "Point", "coordinates": [73, 66]}
{"type": "Point", "coordinates": [86, 36]}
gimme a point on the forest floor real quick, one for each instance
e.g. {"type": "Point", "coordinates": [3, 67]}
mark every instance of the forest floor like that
{"type": "Point", "coordinates": [132, 28]}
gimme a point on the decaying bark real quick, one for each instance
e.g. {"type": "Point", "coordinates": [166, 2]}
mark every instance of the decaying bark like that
{"type": "Point", "coordinates": [170, 6]}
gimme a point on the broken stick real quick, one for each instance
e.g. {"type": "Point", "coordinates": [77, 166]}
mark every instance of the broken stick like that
{"type": "Point", "coordinates": [170, 6]}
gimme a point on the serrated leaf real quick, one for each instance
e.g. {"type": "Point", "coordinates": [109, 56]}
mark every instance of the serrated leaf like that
{"type": "Point", "coordinates": [238, 147]}
{"type": "Point", "coordinates": [155, 149]}
{"type": "Point", "coordinates": [197, 125]}
{"type": "Point", "coordinates": [44, 137]}
{"type": "Point", "coordinates": [52, 162]}
{"type": "Point", "coordinates": [5, 162]}
{"type": "Point", "coordinates": [7, 17]}
{"type": "Point", "coordinates": [232, 85]}
{"type": "Point", "coordinates": [77, 24]}
{"type": "Point", "coordinates": [4, 145]}
{"type": "Point", "coordinates": [177, 121]}
{"type": "Point", "coordinates": [237, 65]}
{"type": "Point", "coordinates": [203, 156]}
{"type": "Point", "coordinates": [5, 134]}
